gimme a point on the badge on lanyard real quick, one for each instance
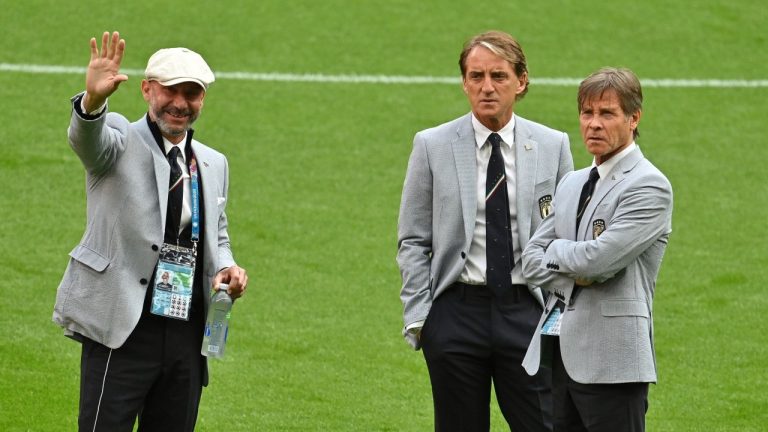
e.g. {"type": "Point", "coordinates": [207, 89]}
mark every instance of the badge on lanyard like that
{"type": "Point", "coordinates": [175, 272]}
{"type": "Point", "coordinates": [172, 296]}
{"type": "Point", "coordinates": [551, 325]}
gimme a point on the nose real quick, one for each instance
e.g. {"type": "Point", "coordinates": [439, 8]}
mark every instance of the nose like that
{"type": "Point", "coordinates": [178, 100]}
{"type": "Point", "coordinates": [488, 85]}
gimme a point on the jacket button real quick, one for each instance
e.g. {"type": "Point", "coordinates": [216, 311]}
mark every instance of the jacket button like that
{"type": "Point", "coordinates": [154, 248]}
{"type": "Point", "coordinates": [143, 281]}
{"type": "Point", "coordinates": [463, 255]}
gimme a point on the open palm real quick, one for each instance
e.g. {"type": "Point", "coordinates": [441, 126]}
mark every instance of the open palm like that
{"type": "Point", "coordinates": [103, 75]}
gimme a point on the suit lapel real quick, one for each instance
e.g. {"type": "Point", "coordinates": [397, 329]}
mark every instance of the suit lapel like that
{"type": "Point", "coordinates": [162, 170]}
{"type": "Point", "coordinates": [526, 157]}
{"type": "Point", "coordinates": [614, 177]}
{"type": "Point", "coordinates": [465, 157]}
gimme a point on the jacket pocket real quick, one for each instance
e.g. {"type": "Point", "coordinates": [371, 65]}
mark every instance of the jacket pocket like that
{"type": "Point", "coordinates": [611, 308]}
{"type": "Point", "coordinates": [546, 186]}
{"type": "Point", "coordinates": [90, 258]}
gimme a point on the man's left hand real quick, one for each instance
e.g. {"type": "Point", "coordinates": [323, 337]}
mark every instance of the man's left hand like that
{"type": "Point", "coordinates": [235, 277]}
{"type": "Point", "coordinates": [583, 282]}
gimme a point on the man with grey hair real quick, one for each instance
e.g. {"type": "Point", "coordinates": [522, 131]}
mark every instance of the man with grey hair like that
{"type": "Point", "coordinates": [599, 254]}
{"type": "Point", "coordinates": [475, 190]}
{"type": "Point", "coordinates": [156, 200]}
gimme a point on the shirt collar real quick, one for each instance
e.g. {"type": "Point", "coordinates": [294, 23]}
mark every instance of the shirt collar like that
{"type": "Point", "coordinates": [482, 133]}
{"type": "Point", "coordinates": [181, 145]}
{"type": "Point", "coordinates": [604, 168]}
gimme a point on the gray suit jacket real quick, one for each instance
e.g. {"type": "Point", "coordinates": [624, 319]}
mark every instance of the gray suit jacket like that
{"type": "Point", "coordinates": [439, 203]}
{"type": "Point", "coordinates": [102, 292]}
{"type": "Point", "coordinates": [606, 334]}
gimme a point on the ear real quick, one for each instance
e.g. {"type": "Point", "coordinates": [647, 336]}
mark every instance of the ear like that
{"type": "Point", "coordinates": [634, 120]}
{"type": "Point", "coordinates": [145, 90]}
{"type": "Point", "coordinates": [464, 85]}
{"type": "Point", "coordinates": [523, 80]}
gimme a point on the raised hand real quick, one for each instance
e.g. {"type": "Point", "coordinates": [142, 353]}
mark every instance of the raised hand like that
{"type": "Point", "coordinates": [103, 75]}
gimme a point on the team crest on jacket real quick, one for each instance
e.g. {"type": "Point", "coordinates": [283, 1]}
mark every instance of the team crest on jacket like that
{"type": "Point", "coordinates": [545, 206]}
{"type": "Point", "coordinates": [598, 226]}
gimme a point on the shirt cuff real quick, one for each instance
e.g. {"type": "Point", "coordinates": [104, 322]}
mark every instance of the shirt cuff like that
{"type": "Point", "coordinates": [415, 328]}
{"type": "Point", "coordinates": [80, 109]}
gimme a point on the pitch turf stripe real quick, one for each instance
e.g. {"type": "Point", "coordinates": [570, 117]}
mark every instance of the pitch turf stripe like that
{"type": "Point", "coordinates": [393, 79]}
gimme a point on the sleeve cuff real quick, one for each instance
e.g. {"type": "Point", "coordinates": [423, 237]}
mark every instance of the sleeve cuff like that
{"type": "Point", "coordinates": [80, 108]}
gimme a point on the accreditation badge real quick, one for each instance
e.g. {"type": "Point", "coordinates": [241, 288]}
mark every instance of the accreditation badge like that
{"type": "Point", "coordinates": [174, 277]}
{"type": "Point", "coordinates": [551, 325]}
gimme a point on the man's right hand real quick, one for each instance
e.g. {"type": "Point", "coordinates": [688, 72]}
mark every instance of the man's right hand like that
{"type": "Point", "coordinates": [103, 75]}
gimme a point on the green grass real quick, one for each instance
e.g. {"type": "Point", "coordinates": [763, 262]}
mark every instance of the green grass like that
{"type": "Point", "coordinates": [316, 175]}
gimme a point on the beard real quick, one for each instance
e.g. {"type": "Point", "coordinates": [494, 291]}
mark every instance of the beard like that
{"type": "Point", "coordinates": [169, 130]}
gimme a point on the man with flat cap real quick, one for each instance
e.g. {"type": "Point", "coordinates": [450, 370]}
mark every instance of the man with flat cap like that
{"type": "Point", "coordinates": [155, 207]}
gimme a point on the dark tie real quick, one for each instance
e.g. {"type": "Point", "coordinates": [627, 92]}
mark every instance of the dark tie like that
{"type": "Point", "coordinates": [498, 239]}
{"type": "Point", "coordinates": [586, 195]}
{"type": "Point", "coordinates": [175, 195]}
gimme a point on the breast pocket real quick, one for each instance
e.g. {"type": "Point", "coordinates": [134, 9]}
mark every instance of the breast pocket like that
{"type": "Point", "coordinates": [601, 217]}
{"type": "Point", "coordinates": [543, 193]}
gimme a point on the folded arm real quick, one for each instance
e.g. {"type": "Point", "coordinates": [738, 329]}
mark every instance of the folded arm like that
{"type": "Point", "coordinates": [533, 256]}
{"type": "Point", "coordinates": [641, 217]}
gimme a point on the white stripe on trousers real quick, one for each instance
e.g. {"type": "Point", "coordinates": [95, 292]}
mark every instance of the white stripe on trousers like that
{"type": "Point", "coordinates": [103, 382]}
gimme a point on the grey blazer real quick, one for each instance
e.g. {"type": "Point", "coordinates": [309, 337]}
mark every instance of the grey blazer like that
{"type": "Point", "coordinates": [102, 292]}
{"type": "Point", "coordinates": [439, 204]}
{"type": "Point", "coordinates": [606, 335]}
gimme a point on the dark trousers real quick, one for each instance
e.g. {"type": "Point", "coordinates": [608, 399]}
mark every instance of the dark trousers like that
{"type": "Point", "coordinates": [157, 376]}
{"type": "Point", "coordinates": [596, 407]}
{"type": "Point", "coordinates": [472, 339]}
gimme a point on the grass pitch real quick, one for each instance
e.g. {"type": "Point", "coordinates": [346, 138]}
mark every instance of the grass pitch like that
{"type": "Point", "coordinates": [316, 175]}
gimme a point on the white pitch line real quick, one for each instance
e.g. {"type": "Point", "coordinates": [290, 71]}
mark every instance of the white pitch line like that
{"type": "Point", "coordinates": [392, 79]}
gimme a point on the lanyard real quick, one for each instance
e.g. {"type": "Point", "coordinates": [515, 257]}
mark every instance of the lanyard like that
{"type": "Point", "coordinates": [195, 202]}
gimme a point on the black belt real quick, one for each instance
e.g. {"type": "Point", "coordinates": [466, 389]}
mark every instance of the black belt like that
{"type": "Point", "coordinates": [484, 291]}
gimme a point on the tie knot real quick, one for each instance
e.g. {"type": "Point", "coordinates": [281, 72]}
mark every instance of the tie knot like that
{"type": "Point", "coordinates": [594, 175]}
{"type": "Point", "coordinates": [495, 139]}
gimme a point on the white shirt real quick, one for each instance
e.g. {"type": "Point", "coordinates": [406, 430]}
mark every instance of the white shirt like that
{"type": "Point", "coordinates": [474, 272]}
{"type": "Point", "coordinates": [605, 168]}
{"type": "Point", "coordinates": [186, 207]}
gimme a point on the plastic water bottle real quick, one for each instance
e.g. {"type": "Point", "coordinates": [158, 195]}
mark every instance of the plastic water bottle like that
{"type": "Point", "coordinates": [217, 323]}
